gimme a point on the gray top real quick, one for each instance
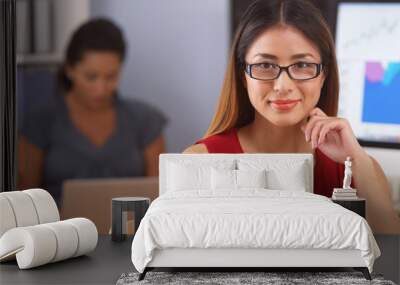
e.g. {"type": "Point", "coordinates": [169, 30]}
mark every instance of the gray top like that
{"type": "Point", "coordinates": [69, 154]}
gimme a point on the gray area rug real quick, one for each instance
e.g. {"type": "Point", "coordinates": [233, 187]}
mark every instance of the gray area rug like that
{"type": "Point", "coordinates": [229, 278]}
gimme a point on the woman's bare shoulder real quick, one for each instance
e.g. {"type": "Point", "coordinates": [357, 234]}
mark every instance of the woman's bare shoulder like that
{"type": "Point", "coordinates": [196, 148]}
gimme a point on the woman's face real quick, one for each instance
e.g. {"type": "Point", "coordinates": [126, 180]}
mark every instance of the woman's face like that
{"type": "Point", "coordinates": [95, 78]}
{"type": "Point", "coordinates": [283, 101]}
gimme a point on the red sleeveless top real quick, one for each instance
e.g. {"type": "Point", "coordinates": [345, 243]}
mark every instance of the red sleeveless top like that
{"type": "Point", "coordinates": [327, 173]}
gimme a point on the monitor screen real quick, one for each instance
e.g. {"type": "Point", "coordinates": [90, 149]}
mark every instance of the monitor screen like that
{"type": "Point", "coordinates": [368, 51]}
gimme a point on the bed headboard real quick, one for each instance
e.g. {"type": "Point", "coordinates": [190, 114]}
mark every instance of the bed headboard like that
{"type": "Point", "coordinates": [273, 160]}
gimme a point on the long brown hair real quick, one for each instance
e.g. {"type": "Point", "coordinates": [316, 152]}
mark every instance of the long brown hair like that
{"type": "Point", "coordinates": [234, 108]}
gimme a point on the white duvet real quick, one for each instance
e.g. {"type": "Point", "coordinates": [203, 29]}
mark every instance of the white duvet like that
{"type": "Point", "coordinates": [252, 218]}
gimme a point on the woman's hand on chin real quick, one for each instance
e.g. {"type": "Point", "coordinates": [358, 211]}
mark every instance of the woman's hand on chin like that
{"type": "Point", "coordinates": [332, 135]}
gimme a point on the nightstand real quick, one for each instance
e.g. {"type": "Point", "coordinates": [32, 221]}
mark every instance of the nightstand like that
{"type": "Point", "coordinates": [355, 205]}
{"type": "Point", "coordinates": [121, 205]}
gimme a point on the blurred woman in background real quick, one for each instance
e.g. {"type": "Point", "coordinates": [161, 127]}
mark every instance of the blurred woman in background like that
{"type": "Point", "coordinates": [89, 131]}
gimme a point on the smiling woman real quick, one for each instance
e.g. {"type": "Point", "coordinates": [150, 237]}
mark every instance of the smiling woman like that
{"type": "Point", "coordinates": [88, 130]}
{"type": "Point", "coordinates": [280, 95]}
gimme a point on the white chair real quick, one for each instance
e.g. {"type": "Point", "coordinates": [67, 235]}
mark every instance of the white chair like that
{"type": "Point", "coordinates": [31, 230]}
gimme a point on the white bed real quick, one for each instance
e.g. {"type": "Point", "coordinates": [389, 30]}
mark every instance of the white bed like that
{"type": "Point", "coordinates": [229, 216]}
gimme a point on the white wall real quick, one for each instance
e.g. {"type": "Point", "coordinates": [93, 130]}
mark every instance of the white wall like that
{"type": "Point", "coordinates": [68, 15]}
{"type": "Point", "coordinates": [388, 158]}
{"type": "Point", "coordinates": [390, 162]}
{"type": "Point", "coordinates": [177, 57]}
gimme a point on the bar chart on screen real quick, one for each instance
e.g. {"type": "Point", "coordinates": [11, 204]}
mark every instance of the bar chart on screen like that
{"type": "Point", "coordinates": [381, 93]}
{"type": "Point", "coordinates": [368, 50]}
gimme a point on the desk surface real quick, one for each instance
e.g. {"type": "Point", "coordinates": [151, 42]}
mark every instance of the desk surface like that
{"type": "Point", "coordinates": [110, 259]}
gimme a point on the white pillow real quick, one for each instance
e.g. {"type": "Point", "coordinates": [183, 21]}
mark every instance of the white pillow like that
{"type": "Point", "coordinates": [292, 179]}
{"type": "Point", "coordinates": [251, 178]}
{"type": "Point", "coordinates": [187, 175]}
{"type": "Point", "coordinates": [223, 179]}
{"type": "Point", "coordinates": [237, 179]}
{"type": "Point", "coordinates": [287, 174]}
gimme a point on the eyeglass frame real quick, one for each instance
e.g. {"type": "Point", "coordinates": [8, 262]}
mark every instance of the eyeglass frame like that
{"type": "Point", "coordinates": [248, 67]}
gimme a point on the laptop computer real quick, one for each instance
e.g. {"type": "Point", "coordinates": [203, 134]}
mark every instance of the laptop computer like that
{"type": "Point", "coordinates": [91, 198]}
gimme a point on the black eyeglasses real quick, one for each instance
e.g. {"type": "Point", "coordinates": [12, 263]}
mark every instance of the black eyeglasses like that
{"type": "Point", "coordinates": [296, 71]}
